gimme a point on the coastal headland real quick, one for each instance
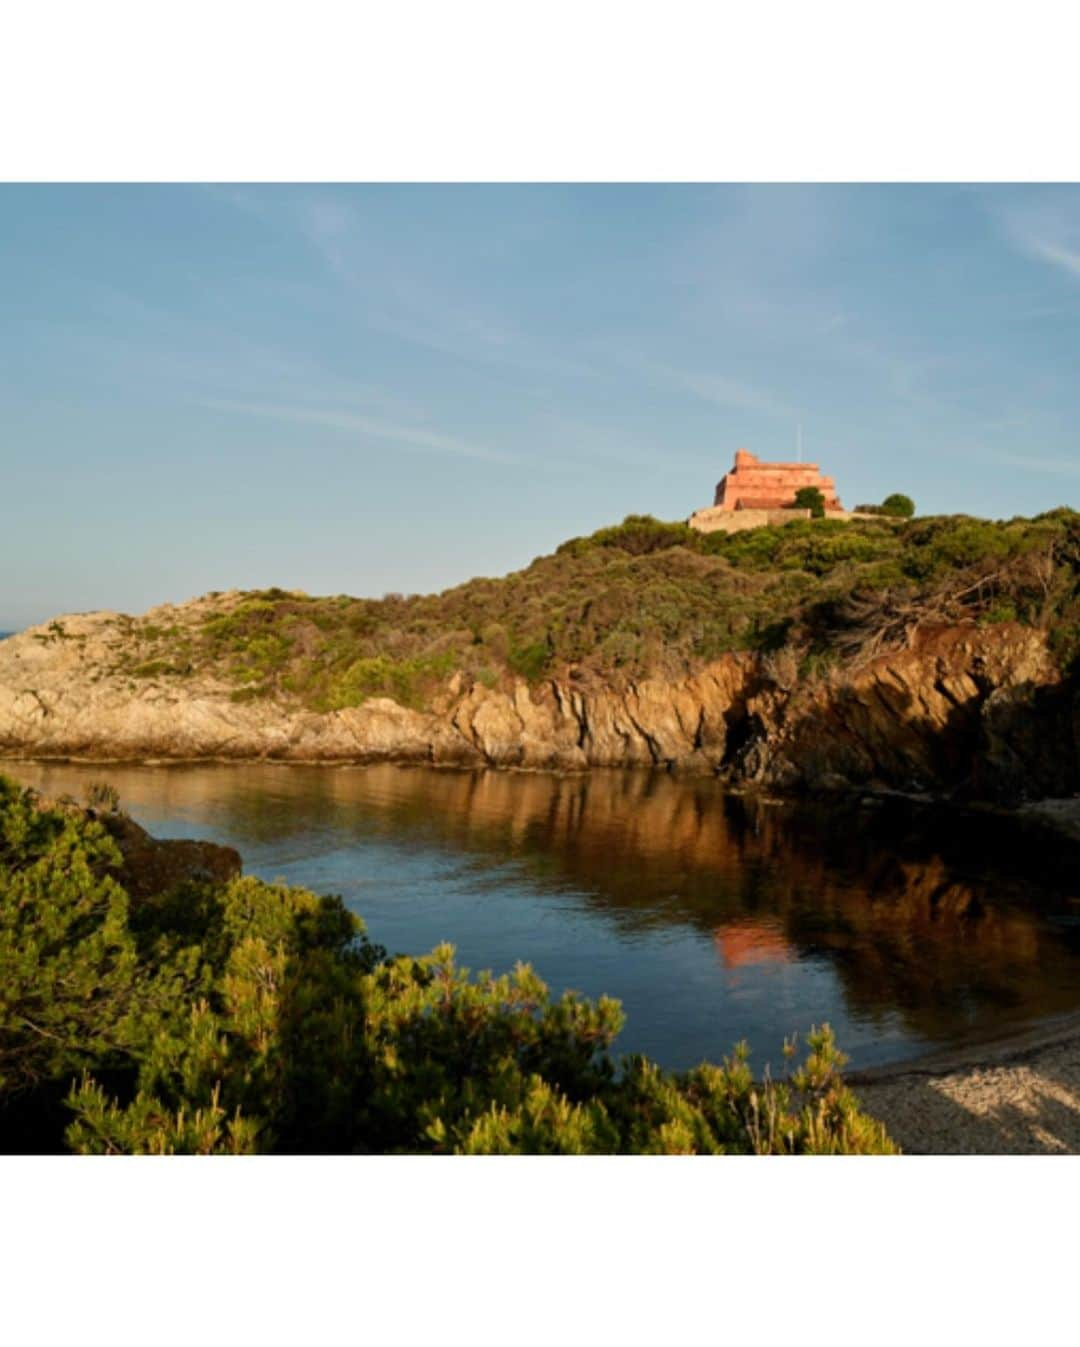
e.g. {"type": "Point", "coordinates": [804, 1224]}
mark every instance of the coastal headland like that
{"type": "Point", "coordinates": [936, 656]}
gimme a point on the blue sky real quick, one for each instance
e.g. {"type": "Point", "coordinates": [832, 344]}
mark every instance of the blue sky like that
{"type": "Point", "coordinates": [362, 389]}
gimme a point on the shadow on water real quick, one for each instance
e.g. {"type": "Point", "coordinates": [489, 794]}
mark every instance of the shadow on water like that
{"type": "Point", "coordinates": [712, 917]}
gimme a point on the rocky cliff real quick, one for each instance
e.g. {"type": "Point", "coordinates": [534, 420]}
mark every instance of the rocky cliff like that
{"type": "Point", "coordinates": [150, 865]}
{"type": "Point", "coordinates": [979, 710]}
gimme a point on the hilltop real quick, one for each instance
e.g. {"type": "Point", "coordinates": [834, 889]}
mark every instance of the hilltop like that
{"type": "Point", "coordinates": [646, 642]}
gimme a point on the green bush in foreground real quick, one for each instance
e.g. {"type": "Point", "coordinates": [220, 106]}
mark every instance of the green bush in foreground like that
{"type": "Point", "coordinates": [252, 1017]}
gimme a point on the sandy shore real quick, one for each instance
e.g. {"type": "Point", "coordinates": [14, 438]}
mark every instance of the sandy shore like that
{"type": "Point", "coordinates": [1019, 1096]}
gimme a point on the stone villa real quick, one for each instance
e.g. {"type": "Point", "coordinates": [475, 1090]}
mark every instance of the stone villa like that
{"type": "Point", "coordinates": [755, 493]}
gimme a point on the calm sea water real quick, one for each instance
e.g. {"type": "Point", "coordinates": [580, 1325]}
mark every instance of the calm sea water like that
{"type": "Point", "coordinates": [711, 918]}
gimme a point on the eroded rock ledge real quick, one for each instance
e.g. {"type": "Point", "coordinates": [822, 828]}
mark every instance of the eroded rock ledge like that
{"type": "Point", "coordinates": [153, 865]}
{"type": "Point", "coordinates": [978, 710]}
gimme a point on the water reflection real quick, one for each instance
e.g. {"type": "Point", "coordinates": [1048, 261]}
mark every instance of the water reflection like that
{"type": "Point", "coordinates": [713, 918]}
{"type": "Point", "coordinates": [744, 944]}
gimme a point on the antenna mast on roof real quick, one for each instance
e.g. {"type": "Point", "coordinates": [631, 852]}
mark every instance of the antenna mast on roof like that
{"type": "Point", "coordinates": [798, 440]}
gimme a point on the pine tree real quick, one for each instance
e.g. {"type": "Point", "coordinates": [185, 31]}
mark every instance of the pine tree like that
{"type": "Point", "coordinates": [244, 1017]}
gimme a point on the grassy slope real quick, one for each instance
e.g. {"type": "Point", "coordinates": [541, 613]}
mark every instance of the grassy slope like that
{"type": "Point", "coordinates": [641, 597]}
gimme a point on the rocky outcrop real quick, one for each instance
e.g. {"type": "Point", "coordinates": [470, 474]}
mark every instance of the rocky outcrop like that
{"type": "Point", "coordinates": [981, 711]}
{"type": "Point", "coordinates": [151, 865]}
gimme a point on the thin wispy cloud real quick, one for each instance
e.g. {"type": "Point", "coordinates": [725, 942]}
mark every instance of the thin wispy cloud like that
{"type": "Point", "coordinates": [407, 297]}
{"type": "Point", "coordinates": [572, 439]}
{"type": "Point", "coordinates": [327, 226]}
{"type": "Point", "coordinates": [412, 437]}
{"type": "Point", "coordinates": [719, 389]}
{"type": "Point", "coordinates": [726, 392]}
{"type": "Point", "coordinates": [1058, 467]}
{"type": "Point", "coordinates": [477, 341]}
{"type": "Point", "coordinates": [136, 342]}
{"type": "Point", "coordinates": [1047, 229]}
{"type": "Point", "coordinates": [243, 198]}
{"type": "Point", "coordinates": [1068, 258]}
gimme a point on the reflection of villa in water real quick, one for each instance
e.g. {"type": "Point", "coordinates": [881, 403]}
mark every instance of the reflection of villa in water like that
{"type": "Point", "coordinates": [742, 944]}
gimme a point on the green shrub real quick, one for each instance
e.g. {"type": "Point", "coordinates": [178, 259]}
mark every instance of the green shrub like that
{"type": "Point", "coordinates": [254, 1017]}
{"type": "Point", "coordinates": [102, 797]}
{"type": "Point", "coordinates": [70, 980]}
{"type": "Point", "coordinates": [638, 534]}
{"type": "Point", "coordinates": [956, 542]}
{"type": "Point", "coordinates": [152, 669]}
{"type": "Point", "coordinates": [1003, 611]}
{"type": "Point", "coordinates": [810, 498]}
{"type": "Point", "coordinates": [898, 505]}
{"type": "Point", "coordinates": [251, 693]}
{"type": "Point", "coordinates": [405, 681]}
{"type": "Point", "coordinates": [645, 597]}
{"type": "Point", "coordinates": [529, 661]}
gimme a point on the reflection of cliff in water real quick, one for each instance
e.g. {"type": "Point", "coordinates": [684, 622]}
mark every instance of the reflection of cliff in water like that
{"type": "Point", "coordinates": [945, 918]}
{"type": "Point", "coordinates": [948, 919]}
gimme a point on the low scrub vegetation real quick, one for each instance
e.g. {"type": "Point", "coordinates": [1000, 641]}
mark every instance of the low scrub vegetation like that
{"type": "Point", "coordinates": [641, 597]}
{"type": "Point", "coordinates": [251, 1017]}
